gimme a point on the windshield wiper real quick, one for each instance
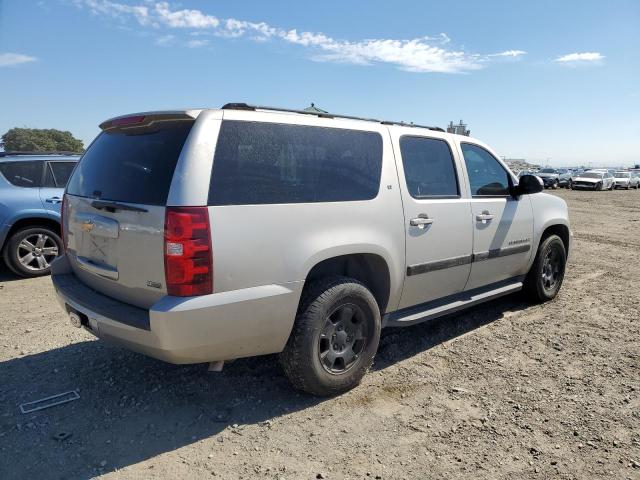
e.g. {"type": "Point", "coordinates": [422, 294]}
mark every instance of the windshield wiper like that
{"type": "Point", "coordinates": [113, 206]}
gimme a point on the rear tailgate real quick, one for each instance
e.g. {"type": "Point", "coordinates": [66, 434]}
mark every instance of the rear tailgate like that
{"type": "Point", "coordinates": [115, 209]}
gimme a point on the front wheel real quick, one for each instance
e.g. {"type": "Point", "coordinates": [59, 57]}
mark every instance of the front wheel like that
{"type": "Point", "coordinates": [30, 251]}
{"type": "Point", "coordinates": [598, 186]}
{"type": "Point", "coordinates": [334, 338]}
{"type": "Point", "coordinates": [547, 272]}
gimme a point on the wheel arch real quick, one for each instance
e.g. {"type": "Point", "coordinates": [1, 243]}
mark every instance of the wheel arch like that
{"type": "Point", "coordinates": [562, 231]}
{"type": "Point", "coordinates": [372, 269]}
{"type": "Point", "coordinates": [27, 222]}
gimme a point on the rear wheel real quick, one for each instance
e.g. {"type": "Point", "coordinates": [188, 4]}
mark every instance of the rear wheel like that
{"type": "Point", "coordinates": [30, 251]}
{"type": "Point", "coordinates": [547, 272]}
{"type": "Point", "coordinates": [334, 338]}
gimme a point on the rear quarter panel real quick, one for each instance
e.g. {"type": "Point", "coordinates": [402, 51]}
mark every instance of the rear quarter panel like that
{"type": "Point", "coordinates": [257, 245]}
{"type": "Point", "coordinates": [17, 203]}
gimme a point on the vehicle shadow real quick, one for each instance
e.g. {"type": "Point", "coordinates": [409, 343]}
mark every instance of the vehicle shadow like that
{"type": "Point", "coordinates": [7, 275]}
{"type": "Point", "coordinates": [132, 408]}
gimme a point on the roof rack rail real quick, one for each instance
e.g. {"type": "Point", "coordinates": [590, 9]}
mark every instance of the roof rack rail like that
{"type": "Point", "coordinates": [12, 154]}
{"type": "Point", "coordinates": [245, 106]}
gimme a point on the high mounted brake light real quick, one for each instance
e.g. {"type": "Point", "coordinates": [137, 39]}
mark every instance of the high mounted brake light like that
{"type": "Point", "coordinates": [121, 122]}
{"type": "Point", "coordinates": [188, 257]}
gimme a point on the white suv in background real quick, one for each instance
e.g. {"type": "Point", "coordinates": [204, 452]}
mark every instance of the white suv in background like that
{"type": "Point", "coordinates": [207, 235]}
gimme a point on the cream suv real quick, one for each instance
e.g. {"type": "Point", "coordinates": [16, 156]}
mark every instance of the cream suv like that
{"type": "Point", "coordinates": [208, 235]}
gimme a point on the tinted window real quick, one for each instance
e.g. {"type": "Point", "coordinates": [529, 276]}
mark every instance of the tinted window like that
{"type": "Point", "coordinates": [133, 166]}
{"type": "Point", "coordinates": [258, 163]}
{"type": "Point", "coordinates": [428, 167]}
{"type": "Point", "coordinates": [486, 175]}
{"type": "Point", "coordinates": [23, 174]}
{"type": "Point", "coordinates": [62, 172]}
{"type": "Point", "coordinates": [49, 181]}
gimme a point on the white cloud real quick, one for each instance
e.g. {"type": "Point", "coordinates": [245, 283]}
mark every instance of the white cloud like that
{"type": "Point", "coordinates": [423, 54]}
{"type": "Point", "coordinates": [184, 18]}
{"type": "Point", "coordinates": [11, 59]}
{"type": "Point", "coordinates": [509, 53]}
{"type": "Point", "coordinates": [580, 58]}
{"type": "Point", "coordinates": [113, 9]}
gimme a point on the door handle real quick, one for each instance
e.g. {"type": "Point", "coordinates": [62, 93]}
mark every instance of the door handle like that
{"type": "Point", "coordinates": [421, 221]}
{"type": "Point", "coordinates": [53, 200]}
{"type": "Point", "coordinates": [484, 217]}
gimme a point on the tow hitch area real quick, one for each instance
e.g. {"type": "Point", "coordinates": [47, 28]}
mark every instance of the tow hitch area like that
{"type": "Point", "coordinates": [78, 319]}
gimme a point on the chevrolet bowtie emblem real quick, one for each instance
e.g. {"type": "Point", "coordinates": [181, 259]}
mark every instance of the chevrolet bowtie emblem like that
{"type": "Point", "coordinates": [87, 226]}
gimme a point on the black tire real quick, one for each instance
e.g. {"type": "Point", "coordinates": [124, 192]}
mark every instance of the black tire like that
{"type": "Point", "coordinates": [15, 249]}
{"type": "Point", "coordinates": [598, 186]}
{"type": "Point", "coordinates": [316, 338]}
{"type": "Point", "coordinates": [545, 279]}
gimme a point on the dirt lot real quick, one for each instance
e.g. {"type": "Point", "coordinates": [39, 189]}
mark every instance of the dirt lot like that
{"type": "Point", "coordinates": [506, 390]}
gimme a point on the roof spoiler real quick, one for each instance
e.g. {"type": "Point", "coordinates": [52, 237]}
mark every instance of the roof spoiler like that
{"type": "Point", "coordinates": [145, 119]}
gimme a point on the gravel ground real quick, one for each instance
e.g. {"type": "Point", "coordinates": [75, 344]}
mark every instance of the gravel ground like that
{"type": "Point", "coordinates": [506, 390]}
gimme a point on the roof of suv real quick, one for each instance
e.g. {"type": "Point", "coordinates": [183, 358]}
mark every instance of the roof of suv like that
{"type": "Point", "coordinates": [28, 156]}
{"type": "Point", "coordinates": [134, 119]}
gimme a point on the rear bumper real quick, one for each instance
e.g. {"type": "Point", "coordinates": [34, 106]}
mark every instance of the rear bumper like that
{"type": "Point", "coordinates": [222, 326]}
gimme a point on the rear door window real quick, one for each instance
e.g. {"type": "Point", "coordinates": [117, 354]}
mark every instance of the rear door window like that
{"type": "Point", "coordinates": [23, 174]}
{"type": "Point", "coordinates": [428, 167]}
{"type": "Point", "coordinates": [61, 172]}
{"type": "Point", "coordinates": [135, 165]}
{"type": "Point", "coordinates": [261, 163]}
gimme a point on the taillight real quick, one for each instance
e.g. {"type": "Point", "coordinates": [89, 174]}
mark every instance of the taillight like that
{"type": "Point", "coordinates": [188, 257]}
{"type": "Point", "coordinates": [63, 216]}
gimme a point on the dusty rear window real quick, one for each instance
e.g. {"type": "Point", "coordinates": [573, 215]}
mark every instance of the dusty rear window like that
{"type": "Point", "coordinates": [134, 166]}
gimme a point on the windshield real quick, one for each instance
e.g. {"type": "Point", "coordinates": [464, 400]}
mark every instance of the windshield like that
{"type": "Point", "coordinates": [547, 170]}
{"type": "Point", "coordinates": [592, 175]}
{"type": "Point", "coordinates": [622, 174]}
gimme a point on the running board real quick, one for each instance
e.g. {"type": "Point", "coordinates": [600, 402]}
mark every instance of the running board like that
{"type": "Point", "coordinates": [432, 310]}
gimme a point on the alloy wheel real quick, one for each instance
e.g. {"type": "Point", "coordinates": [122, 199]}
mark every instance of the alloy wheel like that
{"type": "Point", "coordinates": [551, 270]}
{"type": "Point", "coordinates": [37, 251]}
{"type": "Point", "coordinates": [343, 338]}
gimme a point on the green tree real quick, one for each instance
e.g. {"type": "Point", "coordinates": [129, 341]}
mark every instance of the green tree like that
{"type": "Point", "coordinates": [40, 140]}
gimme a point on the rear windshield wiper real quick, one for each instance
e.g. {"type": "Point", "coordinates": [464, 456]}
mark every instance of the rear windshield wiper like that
{"type": "Point", "coordinates": [113, 206]}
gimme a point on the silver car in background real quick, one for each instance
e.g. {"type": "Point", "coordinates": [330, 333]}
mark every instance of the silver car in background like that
{"type": "Point", "coordinates": [622, 180]}
{"type": "Point", "coordinates": [593, 180]}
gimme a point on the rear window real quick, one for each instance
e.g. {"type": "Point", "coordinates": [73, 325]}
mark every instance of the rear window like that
{"type": "Point", "coordinates": [259, 163]}
{"type": "Point", "coordinates": [23, 174]}
{"type": "Point", "coordinates": [134, 166]}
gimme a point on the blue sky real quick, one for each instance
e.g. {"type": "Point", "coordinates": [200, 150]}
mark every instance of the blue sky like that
{"type": "Point", "coordinates": [541, 80]}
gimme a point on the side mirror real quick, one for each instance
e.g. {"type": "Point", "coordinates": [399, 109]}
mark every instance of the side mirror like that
{"type": "Point", "coordinates": [527, 185]}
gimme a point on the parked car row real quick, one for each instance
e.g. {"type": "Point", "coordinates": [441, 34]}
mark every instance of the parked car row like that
{"type": "Point", "coordinates": [593, 179]}
{"type": "Point", "coordinates": [603, 179]}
